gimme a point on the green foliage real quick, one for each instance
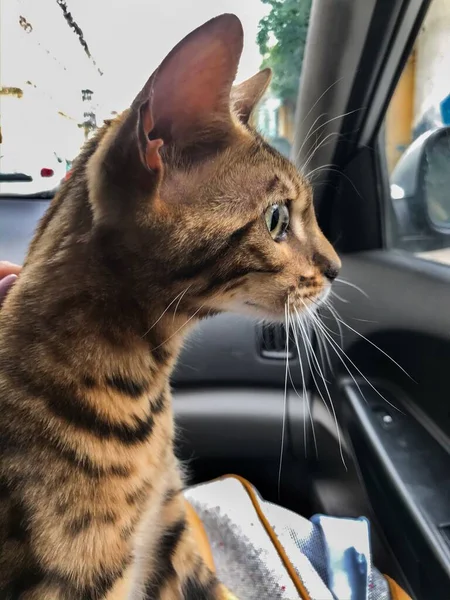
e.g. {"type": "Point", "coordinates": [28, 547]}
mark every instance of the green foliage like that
{"type": "Point", "coordinates": [281, 40]}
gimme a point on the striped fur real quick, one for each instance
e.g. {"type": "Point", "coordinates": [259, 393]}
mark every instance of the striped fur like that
{"type": "Point", "coordinates": [161, 223]}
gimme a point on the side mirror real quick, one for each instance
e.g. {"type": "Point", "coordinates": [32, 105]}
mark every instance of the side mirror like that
{"type": "Point", "coordinates": [420, 193]}
{"type": "Point", "coordinates": [434, 179]}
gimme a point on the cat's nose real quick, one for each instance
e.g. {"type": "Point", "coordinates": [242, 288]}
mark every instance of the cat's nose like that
{"type": "Point", "coordinates": [328, 267]}
{"type": "Point", "coordinates": [331, 271]}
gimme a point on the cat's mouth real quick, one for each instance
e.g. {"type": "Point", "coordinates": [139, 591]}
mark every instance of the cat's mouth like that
{"type": "Point", "coordinates": [255, 305]}
{"type": "Point", "coordinates": [301, 303]}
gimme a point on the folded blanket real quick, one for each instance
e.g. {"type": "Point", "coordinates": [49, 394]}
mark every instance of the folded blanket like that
{"type": "Point", "coordinates": [262, 551]}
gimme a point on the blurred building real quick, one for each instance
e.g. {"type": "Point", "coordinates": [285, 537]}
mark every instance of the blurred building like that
{"type": "Point", "coordinates": [42, 57]}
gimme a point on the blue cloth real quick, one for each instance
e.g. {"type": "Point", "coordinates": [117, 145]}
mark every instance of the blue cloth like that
{"type": "Point", "coordinates": [346, 544]}
{"type": "Point", "coordinates": [445, 110]}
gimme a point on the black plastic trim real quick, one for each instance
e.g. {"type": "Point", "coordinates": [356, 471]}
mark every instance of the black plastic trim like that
{"type": "Point", "coordinates": [240, 423]}
{"type": "Point", "coordinates": [407, 476]}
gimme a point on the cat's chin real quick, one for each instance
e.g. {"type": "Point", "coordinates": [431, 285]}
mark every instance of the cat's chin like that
{"type": "Point", "coordinates": [259, 311]}
{"type": "Point", "coordinates": [323, 296]}
{"type": "Point", "coordinates": [262, 312]}
{"type": "Point", "coordinates": [302, 306]}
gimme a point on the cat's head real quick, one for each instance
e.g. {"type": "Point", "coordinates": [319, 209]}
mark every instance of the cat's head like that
{"type": "Point", "coordinates": [219, 220]}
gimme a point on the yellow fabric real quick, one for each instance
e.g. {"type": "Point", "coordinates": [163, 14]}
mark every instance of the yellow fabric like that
{"type": "Point", "coordinates": [396, 592]}
{"type": "Point", "coordinates": [226, 594]}
{"type": "Point", "coordinates": [200, 535]}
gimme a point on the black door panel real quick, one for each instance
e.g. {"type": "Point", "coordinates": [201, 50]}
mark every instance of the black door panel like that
{"type": "Point", "coordinates": [407, 314]}
{"type": "Point", "coordinates": [407, 476]}
{"type": "Point", "coordinates": [398, 425]}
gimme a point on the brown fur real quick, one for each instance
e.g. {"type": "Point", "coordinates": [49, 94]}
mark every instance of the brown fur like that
{"type": "Point", "coordinates": [139, 243]}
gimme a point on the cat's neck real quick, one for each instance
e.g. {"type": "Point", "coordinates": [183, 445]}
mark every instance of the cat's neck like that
{"type": "Point", "coordinates": [67, 323]}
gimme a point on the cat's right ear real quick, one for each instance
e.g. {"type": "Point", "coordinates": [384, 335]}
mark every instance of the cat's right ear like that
{"type": "Point", "coordinates": [188, 97]}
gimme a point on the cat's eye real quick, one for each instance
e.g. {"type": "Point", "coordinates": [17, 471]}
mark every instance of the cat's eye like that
{"type": "Point", "coordinates": [277, 221]}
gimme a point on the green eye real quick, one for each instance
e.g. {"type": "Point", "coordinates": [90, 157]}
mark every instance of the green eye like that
{"type": "Point", "coordinates": [277, 221]}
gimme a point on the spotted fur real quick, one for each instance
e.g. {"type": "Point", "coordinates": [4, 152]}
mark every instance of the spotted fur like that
{"type": "Point", "coordinates": [160, 224]}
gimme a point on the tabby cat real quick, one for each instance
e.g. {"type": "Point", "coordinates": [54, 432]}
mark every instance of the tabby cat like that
{"type": "Point", "coordinates": [176, 210]}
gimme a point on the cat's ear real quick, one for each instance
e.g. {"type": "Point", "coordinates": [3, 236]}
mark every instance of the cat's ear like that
{"type": "Point", "coordinates": [246, 95]}
{"type": "Point", "coordinates": [189, 94]}
{"type": "Point", "coordinates": [147, 144]}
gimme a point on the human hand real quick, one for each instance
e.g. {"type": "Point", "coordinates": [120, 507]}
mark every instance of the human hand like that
{"type": "Point", "coordinates": [8, 275]}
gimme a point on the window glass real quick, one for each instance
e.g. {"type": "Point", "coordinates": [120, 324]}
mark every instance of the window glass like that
{"type": "Point", "coordinates": [66, 65]}
{"type": "Point", "coordinates": [417, 134]}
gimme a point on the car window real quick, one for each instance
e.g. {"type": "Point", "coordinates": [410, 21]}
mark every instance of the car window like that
{"type": "Point", "coordinates": [65, 66]}
{"type": "Point", "coordinates": [417, 139]}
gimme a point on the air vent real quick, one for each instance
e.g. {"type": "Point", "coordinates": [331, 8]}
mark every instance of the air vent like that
{"type": "Point", "coordinates": [445, 531]}
{"type": "Point", "coordinates": [272, 342]}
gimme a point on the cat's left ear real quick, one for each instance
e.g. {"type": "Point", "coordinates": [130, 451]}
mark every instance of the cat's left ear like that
{"type": "Point", "coordinates": [246, 95]}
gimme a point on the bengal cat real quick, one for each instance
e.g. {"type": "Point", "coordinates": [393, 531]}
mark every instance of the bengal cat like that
{"type": "Point", "coordinates": [176, 210]}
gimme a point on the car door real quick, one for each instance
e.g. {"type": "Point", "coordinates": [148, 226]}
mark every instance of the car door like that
{"type": "Point", "coordinates": [388, 332]}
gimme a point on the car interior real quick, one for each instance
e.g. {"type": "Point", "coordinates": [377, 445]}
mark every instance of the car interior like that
{"type": "Point", "coordinates": [367, 422]}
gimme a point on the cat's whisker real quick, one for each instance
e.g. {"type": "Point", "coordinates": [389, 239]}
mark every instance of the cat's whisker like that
{"type": "Point", "coordinates": [339, 172]}
{"type": "Point", "coordinates": [305, 389]}
{"type": "Point", "coordinates": [180, 295]}
{"type": "Point", "coordinates": [309, 134]}
{"type": "Point", "coordinates": [340, 321]}
{"type": "Point", "coordinates": [317, 102]}
{"type": "Point", "coordinates": [338, 350]}
{"type": "Point", "coordinates": [283, 426]}
{"type": "Point", "coordinates": [338, 431]}
{"type": "Point", "coordinates": [315, 172]}
{"type": "Point", "coordinates": [341, 354]}
{"type": "Point", "coordinates": [340, 298]}
{"type": "Point", "coordinates": [314, 365]}
{"type": "Point", "coordinates": [180, 328]}
{"type": "Point", "coordinates": [323, 349]}
{"type": "Point", "coordinates": [307, 341]}
{"type": "Point", "coordinates": [178, 303]}
{"type": "Point", "coordinates": [330, 341]}
{"type": "Point", "coordinates": [318, 170]}
{"type": "Point", "coordinates": [375, 346]}
{"type": "Point", "coordinates": [328, 166]}
{"type": "Point", "coordinates": [319, 347]}
{"type": "Point", "coordinates": [333, 312]}
{"type": "Point", "coordinates": [317, 147]}
{"type": "Point", "coordinates": [352, 285]}
{"type": "Point", "coordinates": [327, 305]}
{"type": "Point", "coordinates": [321, 126]}
{"type": "Point", "coordinates": [319, 142]}
{"type": "Point", "coordinates": [308, 358]}
{"type": "Point", "coordinates": [305, 398]}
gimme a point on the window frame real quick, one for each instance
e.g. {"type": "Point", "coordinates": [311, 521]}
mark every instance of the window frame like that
{"type": "Point", "coordinates": [366, 74]}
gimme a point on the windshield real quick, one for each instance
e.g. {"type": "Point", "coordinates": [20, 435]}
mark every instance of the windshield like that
{"type": "Point", "coordinates": [66, 65]}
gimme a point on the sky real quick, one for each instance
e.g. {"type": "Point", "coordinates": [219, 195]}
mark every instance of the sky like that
{"type": "Point", "coordinates": [127, 39]}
